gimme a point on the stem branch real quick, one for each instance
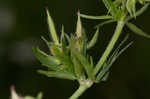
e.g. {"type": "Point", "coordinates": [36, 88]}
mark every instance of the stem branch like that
{"type": "Point", "coordinates": [82, 88]}
{"type": "Point", "coordinates": [110, 46]}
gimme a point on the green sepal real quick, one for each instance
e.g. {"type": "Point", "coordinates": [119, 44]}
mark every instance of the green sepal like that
{"type": "Point", "coordinates": [84, 43]}
{"type": "Point", "coordinates": [139, 12]}
{"type": "Point", "coordinates": [131, 7]}
{"type": "Point", "coordinates": [64, 47]}
{"type": "Point", "coordinates": [91, 61]}
{"type": "Point", "coordinates": [66, 58]}
{"type": "Point", "coordinates": [62, 33]}
{"type": "Point", "coordinates": [50, 61]}
{"type": "Point", "coordinates": [78, 68]}
{"type": "Point", "coordinates": [52, 27]}
{"type": "Point", "coordinates": [56, 51]}
{"type": "Point", "coordinates": [46, 41]}
{"type": "Point", "coordinates": [93, 40]}
{"type": "Point", "coordinates": [83, 60]}
{"type": "Point", "coordinates": [117, 2]}
{"type": "Point", "coordinates": [79, 26]}
{"type": "Point", "coordinates": [60, 74]}
{"type": "Point", "coordinates": [111, 7]}
{"type": "Point", "coordinates": [137, 30]}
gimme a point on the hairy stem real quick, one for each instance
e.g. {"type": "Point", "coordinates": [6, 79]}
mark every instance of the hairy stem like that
{"type": "Point", "coordinates": [82, 88]}
{"type": "Point", "coordinates": [120, 25]}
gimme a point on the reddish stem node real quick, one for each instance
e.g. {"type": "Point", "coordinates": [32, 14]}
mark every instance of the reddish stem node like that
{"type": "Point", "coordinates": [12, 87]}
{"type": "Point", "coordinates": [46, 9]}
{"type": "Point", "coordinates": [78, 12]}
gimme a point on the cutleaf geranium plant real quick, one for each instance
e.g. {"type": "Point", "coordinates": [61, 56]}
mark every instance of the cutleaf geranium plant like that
{"type": "Point", "coordinates": [68, 57]}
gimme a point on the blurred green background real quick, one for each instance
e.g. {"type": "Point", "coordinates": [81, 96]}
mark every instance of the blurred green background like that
{"type": "Point", "coordinates": [22, 22]}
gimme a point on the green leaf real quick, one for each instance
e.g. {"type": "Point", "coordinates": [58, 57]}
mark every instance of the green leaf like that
{"type": "Point", "coordinates": [83, 61]}
{"type": "Point", "coordinates": [66, 59]}
{"type": "Point", "coordinates": [93, 40]}
{"type": "Point", "coordinates": [122, 50]}
{"type": "Point", "coordinates": [62, 75]}
{"type": "Point", "coordinates": [91, 61]}
{"type": "Point", "coordinates": [49, 61]}
{"type": "Point", "coordinates": [137, 30]}
{"type": "Point", "coordinates": [112, 8]}
{"type": "Point", "coordinates": [78, 69]}
{"type": "Point", "coordinates": [64, 47]}
{"type": "Point", "coordinates": [107, 65]}
{"type": "Point", "coordinates": [95, 17]}
{"type": "Point", "coordinates": [84, 43]}
{"type": "Point", "coordinates": [116, 51]}
{"type": "Point", "coordinates": [52, 27]}
{"type": "Point", "coordinates": [56, 51]}
{"type": "Point", "coordinates": [131, 7]}
{"type": "Point", "coordinates": [139, 12]}
{"type": "Point", "coordinates": [102, 73]}
{"type": "Point", "coordinates": [105, 77]}
{"type": "Point", "coordinates": [62, 33]}
{"type": "Point", "coordinates": [88, 68]}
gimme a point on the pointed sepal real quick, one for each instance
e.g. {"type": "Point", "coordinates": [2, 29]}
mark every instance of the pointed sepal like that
{"type": "Point", "coordinates": [52, 27]}
{"type": "Point", "coordinates": [79, 26]}
{"type": "Point", "coordinates": [131, 7]}
{"type": "Point", "coordinates": [93, 40]}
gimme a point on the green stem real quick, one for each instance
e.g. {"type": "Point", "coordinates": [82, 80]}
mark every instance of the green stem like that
{"type": "Point", "coordinates": [120, 25]}
{"type": "Point", "coordinates": [82, 88]}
